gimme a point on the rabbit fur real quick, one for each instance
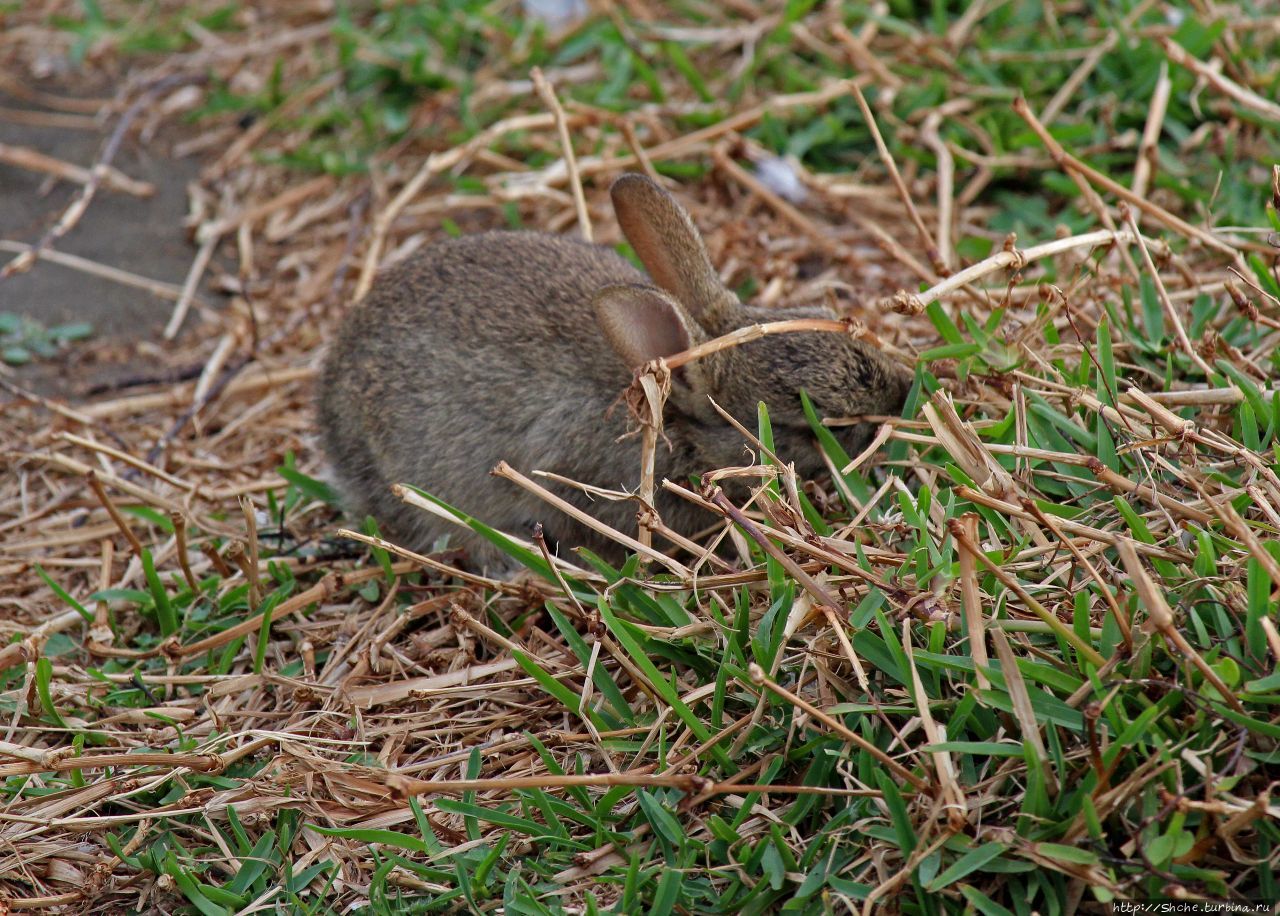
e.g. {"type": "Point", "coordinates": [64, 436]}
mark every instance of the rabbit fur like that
{"type": "Point", "coordinates": [516, 346]}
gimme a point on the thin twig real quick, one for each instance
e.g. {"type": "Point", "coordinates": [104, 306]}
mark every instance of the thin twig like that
{"type": "Point", "coordinates": [96, 485]}
{"type": "Point", "coordinates": [26, 158]}
{"type": "Point", "coordinates": [1163, 295]}
{"type": "Point", "coordinates": [1074, 165]}
{"type": "Point", "coordinates": [758, 677]}
{"type": "Point", "coordinates": [548, 95]}
{"type": "Point", "coordinates": [930, 246]}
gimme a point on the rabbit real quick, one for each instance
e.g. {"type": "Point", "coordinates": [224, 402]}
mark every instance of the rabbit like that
{"type": "Point", "coordinates": [516, 346]}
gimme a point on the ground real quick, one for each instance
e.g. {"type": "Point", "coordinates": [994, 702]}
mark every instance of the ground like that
{"type": "Point", "coordinates": [143, 232]}
{"type": "Point", "coordinates": [1018, 658]}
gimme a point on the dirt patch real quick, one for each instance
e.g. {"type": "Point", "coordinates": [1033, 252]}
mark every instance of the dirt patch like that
{"type": "Point", "coordinates": [141, 234]}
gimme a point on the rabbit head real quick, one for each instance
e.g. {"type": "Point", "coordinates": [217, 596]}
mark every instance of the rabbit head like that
{"type": "Point", "coordinates": [688, 305]}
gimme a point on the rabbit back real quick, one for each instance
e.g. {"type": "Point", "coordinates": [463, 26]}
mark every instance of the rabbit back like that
{"type": "Point", "coordinates": [478, 349]}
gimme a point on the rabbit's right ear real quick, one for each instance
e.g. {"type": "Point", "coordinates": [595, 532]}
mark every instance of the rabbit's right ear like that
{"type": "Point", "coordinates": [642, 323]}
{"type": "Point", "coordinates": [668, 244]}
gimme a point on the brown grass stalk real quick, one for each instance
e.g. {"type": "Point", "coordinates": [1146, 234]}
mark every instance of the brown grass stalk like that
{"type": "Point", "coordinates": [1121, 619]}
{"type": "Point", "coordinates": [1161, 617]}
{"type": "Point", "coordinates": [971, 601]}
{"type": "Point", "coordinates": [547, 93]}
{"type": "Point", "coordinates": [950, 795]}
{"type": "Point", "coordinates": [1242, 96]}
{"type": "Point", "coordinates": [26, 158]}
{"type": "Point", "coordinates": [507, 472]}
{"type": "Point", "coordinates": [926, 240]}
{"type": "Point", "coordinates": [1023, 711]}
{"type": "Point", "coordinates": [1009, 258]}
{"type": "Point", "coordinates": [1073, 165]}
{"type": "Point", "coordinates": [1062, 630]}
{"type": "Point", "coordinates": [99, 491]}
{"type": "Point", "coordinates": [759, 678]}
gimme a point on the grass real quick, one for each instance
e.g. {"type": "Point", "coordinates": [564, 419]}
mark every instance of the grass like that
{"type": "Point", "coordinates": [1023, 662]}
{"type": "Point", "coordinates": [23, 339]}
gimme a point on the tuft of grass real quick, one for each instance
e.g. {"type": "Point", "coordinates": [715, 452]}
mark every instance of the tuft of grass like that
{"type": "Point", "coordinates": [23, 339]}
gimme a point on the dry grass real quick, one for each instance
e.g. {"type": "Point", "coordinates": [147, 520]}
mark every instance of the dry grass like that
{"type": "Point", "coordinates": [1042, 636]}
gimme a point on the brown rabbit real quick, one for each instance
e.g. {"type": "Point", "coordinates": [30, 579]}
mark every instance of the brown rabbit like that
{"type": "Point", "coordinates": [515, 345]}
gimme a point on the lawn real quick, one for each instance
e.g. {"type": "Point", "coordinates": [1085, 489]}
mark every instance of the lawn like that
{"type": "Point", "coordinates": [1023, 658]}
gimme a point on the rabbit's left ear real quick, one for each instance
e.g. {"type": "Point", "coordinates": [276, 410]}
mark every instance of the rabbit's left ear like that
{"type": "Point", "coordinates": [668, 244]}
{"type": "Point", "coordinates": [642, 323]}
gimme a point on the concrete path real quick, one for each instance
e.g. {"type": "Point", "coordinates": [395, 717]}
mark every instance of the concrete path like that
{"type": "Point", "coordinates": [142, 235]}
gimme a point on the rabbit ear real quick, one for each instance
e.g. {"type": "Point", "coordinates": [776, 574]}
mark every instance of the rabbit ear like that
{"type": "Point", "coordinates": [669, 246]}
{"type": "Point", "coordinates": [641, 323]}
